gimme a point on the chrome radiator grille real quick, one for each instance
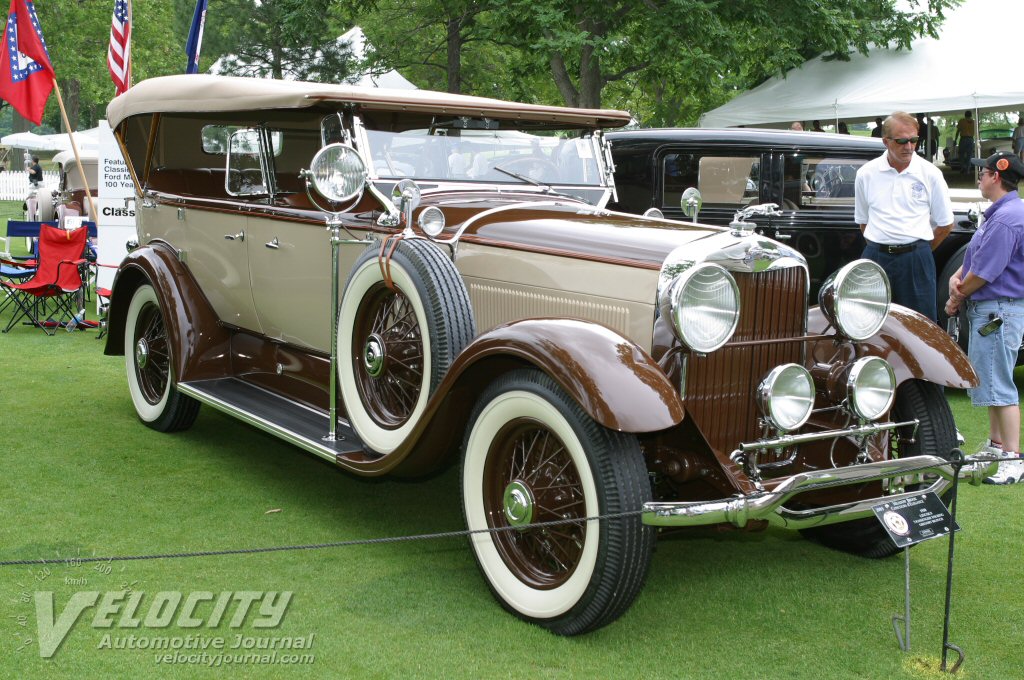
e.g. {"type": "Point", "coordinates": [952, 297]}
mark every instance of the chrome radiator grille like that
{"type": "Point", "coordinates": [720, 387]}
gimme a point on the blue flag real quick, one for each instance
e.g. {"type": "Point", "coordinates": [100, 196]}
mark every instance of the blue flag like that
{"type": "Point", "coordinates": [195, 37]}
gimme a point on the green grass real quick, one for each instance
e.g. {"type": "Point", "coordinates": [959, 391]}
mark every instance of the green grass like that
{"type": "Point", "coordinates": [82, 476]}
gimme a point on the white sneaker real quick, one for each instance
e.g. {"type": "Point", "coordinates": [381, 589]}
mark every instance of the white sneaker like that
{"type": "Point", "coordinates": [1009, 472]}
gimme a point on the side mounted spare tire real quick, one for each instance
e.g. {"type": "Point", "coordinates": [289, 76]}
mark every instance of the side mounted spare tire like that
{"type": "Point", "coordinates": [395, 344]}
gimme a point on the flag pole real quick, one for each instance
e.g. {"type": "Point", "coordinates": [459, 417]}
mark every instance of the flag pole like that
{"type": "Point", "coordinates": [78, 159]}
{"type": "Point", "coordinates": [128, 64]}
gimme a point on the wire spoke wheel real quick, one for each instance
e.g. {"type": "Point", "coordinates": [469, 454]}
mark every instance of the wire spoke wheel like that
{"type": "Point", "coordinates": [390, 362]}
{"type": "Point", "coordinates": [150, 368]}
{"type": "Point", "coordinates": [396, 342]}
{"type": "Point", "coordinates": [152, 365]}
{"type": "Point", "coordinates": [533, 455]}
{"type": "Point", "coordinates": [530, 472]}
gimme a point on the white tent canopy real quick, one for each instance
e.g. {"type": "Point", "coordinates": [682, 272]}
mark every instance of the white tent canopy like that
{"type": "Point", "coordinates": [967, 67]}
{"type": "Point", "coordinates": [30, 141]}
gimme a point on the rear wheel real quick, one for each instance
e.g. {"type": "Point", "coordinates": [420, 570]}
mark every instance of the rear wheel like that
{"type": "Point", "coordinates": [532, 455]}
{"type": "Point", "coordinates": [150, 367]}
{"type": "Point", "coordinates": [936, 435]}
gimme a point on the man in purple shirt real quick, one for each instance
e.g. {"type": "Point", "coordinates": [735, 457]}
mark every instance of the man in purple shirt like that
{"type": "Point", "coordinates": [993, 290]}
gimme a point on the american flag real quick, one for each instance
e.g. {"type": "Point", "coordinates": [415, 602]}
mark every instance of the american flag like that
{"type": "Point", "coordinates": [119, 54]}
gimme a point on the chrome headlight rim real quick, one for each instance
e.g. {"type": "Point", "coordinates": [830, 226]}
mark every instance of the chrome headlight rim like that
{"type": "Point", "coordinates": [431, 221]}
{"type": "Point", "coordinates": [673, 303]}
{"type": "Point", "coordinates": [847, 288]}
{"type": "Point", "coordinates": [772, 400]}
{"type": "Point", "coordinates": [863, 388]}
{"type": "Point", "coordinates": [338, 173]}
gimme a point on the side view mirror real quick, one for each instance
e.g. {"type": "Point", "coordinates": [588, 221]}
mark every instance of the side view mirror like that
{"type": "Point", "coordinates": [691, 203]}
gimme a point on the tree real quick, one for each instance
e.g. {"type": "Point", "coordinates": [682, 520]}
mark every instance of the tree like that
{"type": "Point", "coordinates": [656, 55]}
{"type": "Point", "coordinates": [278, 38]}
{"type": "Point", "coordinates": [443, 45]}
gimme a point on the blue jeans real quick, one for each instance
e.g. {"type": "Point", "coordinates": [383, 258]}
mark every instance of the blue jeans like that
{"type": "Point", "coordinates": [911, 275]}
{"type": "Point", "coordinates": [994, 356]}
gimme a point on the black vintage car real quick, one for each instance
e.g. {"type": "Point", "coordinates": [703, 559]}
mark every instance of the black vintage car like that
{"type": "Point", "coordinates": [810, 176]}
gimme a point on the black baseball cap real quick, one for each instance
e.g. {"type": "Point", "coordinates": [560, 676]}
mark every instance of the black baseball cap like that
{"type": "Point", "coordinates": [1005, 163]}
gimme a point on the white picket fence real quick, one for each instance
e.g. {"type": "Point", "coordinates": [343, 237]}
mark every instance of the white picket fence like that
{"type": "Point", "coordinates": [14, 184]}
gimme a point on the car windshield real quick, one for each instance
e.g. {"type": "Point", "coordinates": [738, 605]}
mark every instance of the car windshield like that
{"type": "Point", "coordinates": [549, 157]}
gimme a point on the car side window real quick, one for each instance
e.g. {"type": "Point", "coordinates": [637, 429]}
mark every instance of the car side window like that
{"type": "Point", "coordinates": [724, 181]}
{"type": "Point", "coordinates": [244, 174]}
{"type": "Point", "coordinates": [819, 182]}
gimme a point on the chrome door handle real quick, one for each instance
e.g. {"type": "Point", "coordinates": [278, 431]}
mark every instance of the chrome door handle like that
{"type": "Point", "coordinates": [779, 236]}
{"type": "Point", "coordinates": [274, 245]}
{"type": "Point", "coordinates": [240, 236]}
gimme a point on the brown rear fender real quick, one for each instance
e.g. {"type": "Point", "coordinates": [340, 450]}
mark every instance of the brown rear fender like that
{"type": "Point", "coordinates": [914, 346]}
{"type": "Point", "coordinates": [200, 345]}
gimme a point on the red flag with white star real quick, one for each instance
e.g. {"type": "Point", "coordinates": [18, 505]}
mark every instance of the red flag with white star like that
{"type": "Point", "coordinates": [26, 74]}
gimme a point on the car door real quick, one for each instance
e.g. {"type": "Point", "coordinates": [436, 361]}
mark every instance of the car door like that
{"type": "Point", "coordinates": [289, 246]}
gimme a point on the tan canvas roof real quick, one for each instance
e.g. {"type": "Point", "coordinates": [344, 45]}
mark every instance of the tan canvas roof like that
{"type": "Point", "coordinates": [185, 93]}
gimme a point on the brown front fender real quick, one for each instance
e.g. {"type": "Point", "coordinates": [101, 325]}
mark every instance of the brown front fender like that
{"type": "Point", "coordinates": [616, 382]}
{"type": "Point", "coordinates": [914, 346]}
{"type": "Point", "coordinates": [199, 344]}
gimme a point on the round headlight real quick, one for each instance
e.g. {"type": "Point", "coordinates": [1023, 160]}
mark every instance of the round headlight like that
{"type": "Point", "coordinates": [871, 387]}
{"type": "Point", "coordinates": [856, 299]}
{"type": "Point", "coordinates": [338, 173]}
{"type": "Point", "coordinates": [654, 213]}
{"type": "Point", "coordinates": [431, 221]}
{"type": "Point", "coordinates": [704, 306]}
{"type": "Point", "coordinates": [786, 396]}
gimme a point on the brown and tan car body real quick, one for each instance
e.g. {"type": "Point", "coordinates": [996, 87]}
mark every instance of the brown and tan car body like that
{"type": "Point", "coordinates": [555, 283]}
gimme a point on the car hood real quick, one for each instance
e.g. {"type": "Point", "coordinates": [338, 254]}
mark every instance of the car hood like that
{"type": "Point", "coordinates": [567, 227]}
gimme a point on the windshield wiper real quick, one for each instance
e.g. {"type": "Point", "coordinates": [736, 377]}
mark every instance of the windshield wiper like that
{"type": "Point", "coordinates": [546, 187]}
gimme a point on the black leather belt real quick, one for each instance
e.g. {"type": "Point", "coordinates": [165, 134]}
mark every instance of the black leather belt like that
{"type": "Point", "coordinates": [898, 249]}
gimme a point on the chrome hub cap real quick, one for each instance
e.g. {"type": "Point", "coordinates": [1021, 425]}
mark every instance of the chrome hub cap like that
{"type": "Point", "coordinates": [141, 353]}
{"type": "Point", "coordinates": [518, 504]}
{"type": "Point", "coordinates": [373, 356]}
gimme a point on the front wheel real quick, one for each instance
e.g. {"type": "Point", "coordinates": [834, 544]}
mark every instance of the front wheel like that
{"type": "Point", "coordinates": [532, 455]}
{"type": "Point", "coordinates": [150, 368]}
{"type": "Point", "coordinates": [936, 435]}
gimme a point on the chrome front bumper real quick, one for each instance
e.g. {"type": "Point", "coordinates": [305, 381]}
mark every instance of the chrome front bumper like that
{"type": "Point", "coordinates": [768, 505]}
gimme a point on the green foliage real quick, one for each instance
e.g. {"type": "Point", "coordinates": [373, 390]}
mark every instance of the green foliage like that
{"type": "Point", "coordinates": [666, 61]}
{"type": "Point", "coordinates": [77, 35]}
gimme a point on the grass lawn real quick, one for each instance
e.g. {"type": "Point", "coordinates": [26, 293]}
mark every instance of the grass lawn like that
{"type": "Point", "coordinates": [83, 477]}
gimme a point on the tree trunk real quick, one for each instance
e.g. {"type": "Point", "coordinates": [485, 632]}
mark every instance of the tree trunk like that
{"type": "Point", "coordinates": [72, 102]}
{"type": "Point", "coordinates": [563, 81]}
{"type": "Point", "coordinates": [454, 69]}
{"type": "Point", "coordinates": [591, 78]}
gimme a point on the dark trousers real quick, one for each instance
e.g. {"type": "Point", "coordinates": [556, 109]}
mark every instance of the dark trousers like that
{"type": "Point", "coordinates": [911, 275]}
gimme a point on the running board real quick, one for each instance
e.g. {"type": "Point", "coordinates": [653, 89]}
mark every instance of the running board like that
{"type": "Point", "coordinates": [300, 425]}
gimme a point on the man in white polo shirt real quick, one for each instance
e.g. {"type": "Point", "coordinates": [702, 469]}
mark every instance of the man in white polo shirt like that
{"type": "Point", "coordinates": [904, 212]}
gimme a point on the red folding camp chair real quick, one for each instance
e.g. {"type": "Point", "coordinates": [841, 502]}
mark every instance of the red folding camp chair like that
{"type": "Point", "coordinates": [54, 294]}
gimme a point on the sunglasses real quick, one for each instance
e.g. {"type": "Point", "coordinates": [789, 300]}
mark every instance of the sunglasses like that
{"type": "Point", "coordinates": [905, 140]}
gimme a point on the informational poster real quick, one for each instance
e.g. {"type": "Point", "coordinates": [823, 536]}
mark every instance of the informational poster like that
{"type": "Point", "coordinates": [116, 223]}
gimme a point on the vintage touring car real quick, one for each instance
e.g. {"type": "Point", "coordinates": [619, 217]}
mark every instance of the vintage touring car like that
{"type": "Point", "coordinates": [395, 280]}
